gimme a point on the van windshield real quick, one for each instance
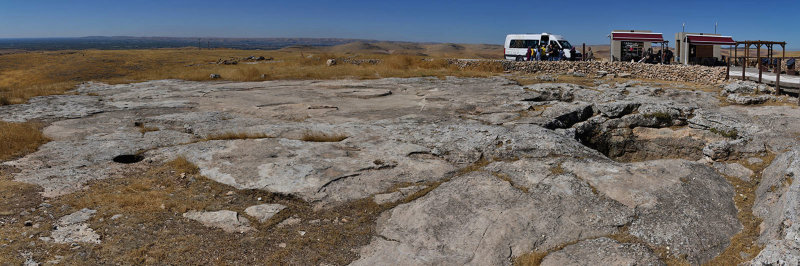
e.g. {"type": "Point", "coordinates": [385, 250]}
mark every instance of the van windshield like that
{"type": "Point", "coordinates": [565, 44]}
{"type": "Point", "coordinates": [523, 43]}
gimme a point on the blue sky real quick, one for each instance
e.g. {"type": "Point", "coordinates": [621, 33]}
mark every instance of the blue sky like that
{"type": "Point", "coordinates": [411, 20]}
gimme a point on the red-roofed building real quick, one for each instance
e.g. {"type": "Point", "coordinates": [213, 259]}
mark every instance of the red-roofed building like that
{"type": "Point", "coordinates": [700, 48]}
{"type": "Point", "coordinates": [627, 45]}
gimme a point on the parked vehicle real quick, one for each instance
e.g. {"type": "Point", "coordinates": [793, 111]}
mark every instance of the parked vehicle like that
{"type": "Point", "coordinates": [516, 45]}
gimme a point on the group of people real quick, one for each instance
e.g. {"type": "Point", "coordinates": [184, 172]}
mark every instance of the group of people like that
{"type": "Point", "coordinates": [655, 58]}
{"type": "Point", "coordinates": [551, 53]}
{"type": "Point", "coordinates": [544, 53]}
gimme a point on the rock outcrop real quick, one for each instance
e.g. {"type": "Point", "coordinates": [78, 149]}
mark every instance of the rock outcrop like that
{"type": "Point", "coordinates": [602, 251]}
{"type": "Point", "coordinates": [778, 204]}
{"type": "Point", "coordinates": [228, 221]}
{"type": "Point", "coordinates": [462, 170]}
{"type": "Point", "coordinates": [73, 228]}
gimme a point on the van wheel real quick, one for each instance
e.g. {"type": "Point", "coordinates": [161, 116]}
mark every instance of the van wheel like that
{"type": "Point", "coordinates": [519, 58]}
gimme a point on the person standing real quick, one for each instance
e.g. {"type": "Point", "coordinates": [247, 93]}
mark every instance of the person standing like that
{"type": "Point", "coordinates": [549, 52]}
{"type": "Point", "coordinates": [590, 54]}
{"type": "Point", "coordinates": [528, 54]}
{"type": "Point", "coordinates": [573, 53]}
{"type": "Point", "coordinates": [544, 53]}
{"type": "Point", "coordinates": [538, 54]}
{"type": "Point", "coordinates": [645, 56]}
{"type": "Point", "coordinates": [668, 56]}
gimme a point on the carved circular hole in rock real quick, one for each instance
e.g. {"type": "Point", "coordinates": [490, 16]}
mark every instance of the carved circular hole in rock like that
{"type": "Point", "coordinates": [128, 158]}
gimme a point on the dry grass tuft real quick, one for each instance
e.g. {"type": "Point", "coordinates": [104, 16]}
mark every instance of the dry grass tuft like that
{"type": "Point", "coordinates": [144, 128]}
{"type": "Point", "coordinates": [670, 259]}
{"type": "Point", "coordinates": [182, 165]}
{"type": "Point", "coordinates": [557, 169]}
{"type": "Point", "coordinates": [17, 139]}
{"type": "Point", "coordinates": [530, 259]}
{"type": "Point", "coordinates": [322, 137]}
{"type": "Point", "coordinates": [530, 79]}
{"type": "Point", "coordinates": [403, 62]}
{"type": "Point", "coordinates": [744, 244]}
{"type": "Point", "coordinates": [152, 230]}
{"type": "Point", "coordinates": [508, 179]}
{"type": "Point", "coordinates": [238, 135]}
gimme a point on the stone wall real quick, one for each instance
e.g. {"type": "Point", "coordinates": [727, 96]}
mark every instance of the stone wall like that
{"type": "Point", "coordinates": [698, 74]}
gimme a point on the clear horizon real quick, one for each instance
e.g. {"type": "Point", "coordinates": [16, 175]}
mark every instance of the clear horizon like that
{"type": "Point", "coordinates": [473, 22]}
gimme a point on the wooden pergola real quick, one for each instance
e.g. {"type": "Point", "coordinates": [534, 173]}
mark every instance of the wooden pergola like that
{"type": "Point", "coordinates": [770, 55]}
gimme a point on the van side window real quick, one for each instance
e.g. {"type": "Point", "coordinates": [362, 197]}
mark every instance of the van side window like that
{"type": "Point", "coordinates": [523, 43]}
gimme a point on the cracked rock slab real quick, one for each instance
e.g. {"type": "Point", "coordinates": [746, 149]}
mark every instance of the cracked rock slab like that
{"type": "Point", "coordinates": [397, 195]}
{"type": "Point", "coordinates": [734, 170]}
{"type": "Point", "coordinates": [264, 211]}
{"type": "Point", "coordinates": [73, 228]}
{"type": "Point", "coordinates": [481, 219]}
{"type": "Point", "coordinates": [602, 251]}
{"type": "Point", "coordinates": [329, 172]}
{"type": "Point", "coordinates": [683, 205]}
{"type": "Point", "coordinates": [778, 204]}
{"type": "Point", "coordinates": [228, 221]}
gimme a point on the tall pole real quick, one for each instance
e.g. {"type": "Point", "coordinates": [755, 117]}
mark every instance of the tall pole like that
{"type": "Point", "coordinates": [758, 56]}
{"type": "Point", "coordinates": [744, 61]}
{"type": "Point", "coordinates": [728, 73]}
{"type": "Point", "coordinates": [778, 77]}
{"type": "Point", "coordinates": [584, 52]}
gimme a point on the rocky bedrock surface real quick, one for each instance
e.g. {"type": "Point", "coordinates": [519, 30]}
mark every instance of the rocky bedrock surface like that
{"type": "Point", "coordinates": [508, 169]}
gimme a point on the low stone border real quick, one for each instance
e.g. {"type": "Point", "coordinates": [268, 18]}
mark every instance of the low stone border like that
{"type": "Point", "coordinates": [698, 74]}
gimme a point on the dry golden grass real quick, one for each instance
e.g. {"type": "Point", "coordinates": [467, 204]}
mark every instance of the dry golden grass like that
{"type": "Point", "coordinates": [26, 75]}
{"type": "Point", "coordinates": [530, 259]}
{"type": "Point", "coordinates": [238, 135]}
{"type": "Point", "coordinates": [508, 179]}
{"type": "Point", "coordinates": [144, 128]}
{"type": "Point", "coordinates": [152, 231]}
{"type": "Point", "coordinates": [182, 165]}
{"type": "Point", "coordinates": [529, 79]}
{"type": "Point", "coordinates": [557, 169]}
{"type": "Point", "coordinates": [322, 137]}
{"type": "Point", "coordinates": [16, 197]}
{"type": "Point", "coordinates": [744, 245]}
{"type": "Point", "coordinates": [17, 139]}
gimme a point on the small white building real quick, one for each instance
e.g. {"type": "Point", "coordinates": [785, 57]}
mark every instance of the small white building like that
{"type": "Point", "coordinates": [700, 48]}
{"type": "Point", "coordinates": [627, 45]}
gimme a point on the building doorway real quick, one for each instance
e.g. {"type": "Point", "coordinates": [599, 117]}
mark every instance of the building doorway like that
{"type": "Point", "coordinates": [631, 51]}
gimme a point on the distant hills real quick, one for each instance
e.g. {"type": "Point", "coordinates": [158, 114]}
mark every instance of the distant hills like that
{"type": "Point", "coordinates": [487, 51]}
{"type": "Point", "coordinates": [321, 45]}
{"type": "Point", "coordinates": [128, 42]}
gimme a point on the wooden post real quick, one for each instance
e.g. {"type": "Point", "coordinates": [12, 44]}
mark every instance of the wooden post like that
{"type": "Point", "coordinates": [728, 73]}
{"type": "Point", "coordinates": [584, 53]}
{"type": "Point", "coordinates": [778, 77]}
{"type": "Point", "coordinates": [758, 55]}
{"type": "Point", "coordinates": [744, 61]}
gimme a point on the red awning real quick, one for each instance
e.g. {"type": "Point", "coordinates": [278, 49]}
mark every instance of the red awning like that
{"type": "Point", "coordinates": [705, 39]}
{"type": "Point", "coordinates": [637, 36]}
